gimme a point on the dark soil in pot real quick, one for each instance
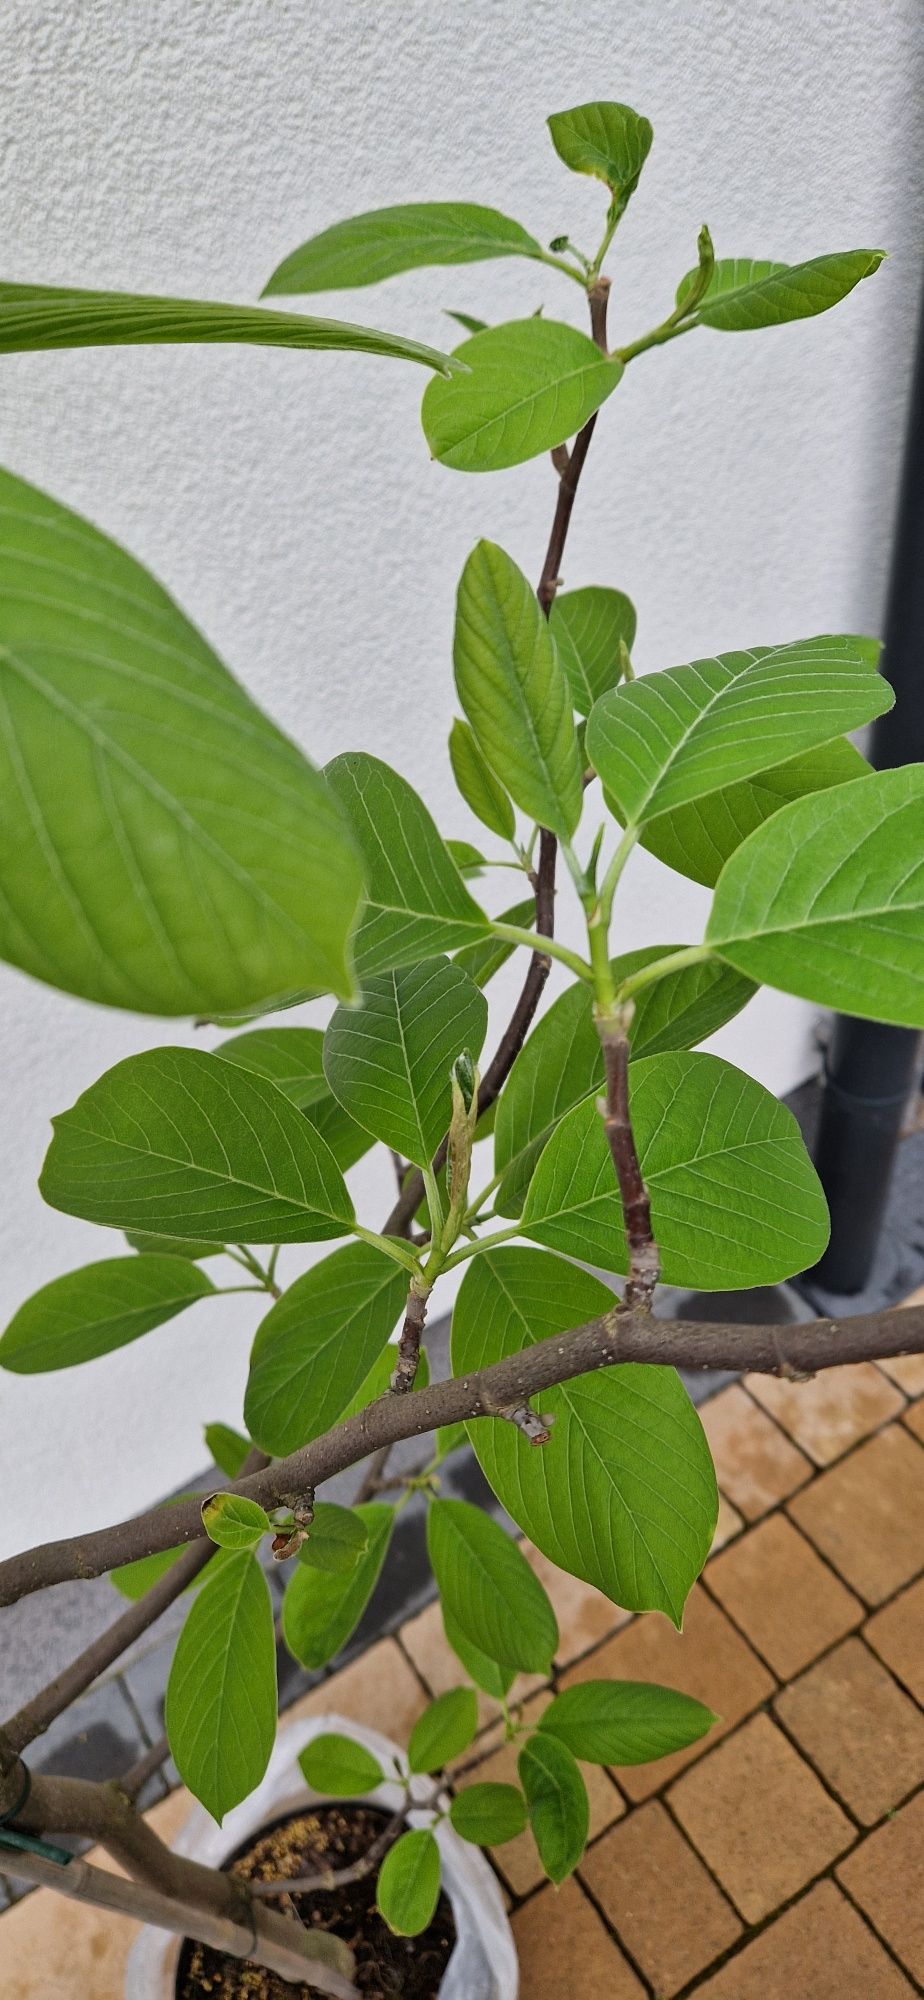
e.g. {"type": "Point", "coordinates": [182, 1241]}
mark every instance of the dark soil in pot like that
{"type": "Point", "coordinates": [331, 1836]}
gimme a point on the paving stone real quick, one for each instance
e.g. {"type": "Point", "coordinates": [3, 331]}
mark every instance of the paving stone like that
{"type": "Point", "coordinates": [833, 1411]}
{"type": "Point", "coordinates": [518, 1861]}
{"type": "Point", "coordinates": [756, 1465]}
{"type": "Point", "coordinates": [659, 1899]}
{"type": "Point", "coordinates": [897, 1633]}
{"type": "Point", "coordinates": [424, 1640]}
{"type": "Point", "coordinates": [858, 1729]}
{"type": "Point", "coordinates": [818, 1950]}
{"type": "Point", "coordinates": [865, 1514]}
{"type": "Point", "coordinates": [380, 1688]}
{"type": "Point", "coordinates": [585, 1616]}
{"type": "Point", "coordinates": [728, 1524]}
{"type": "Point", "coordinates": [709, 1660]}
{"type": "Point", "coordinates": [884, 1876]}
{"type": "Point", "coordinates": [760, 1818]}
{"type": "Point", "coordinates": [775, 1586]}
{"type": "Point", "coordinates": [559, 1931]}
{"type": "Point", "coordinates": [907, 1371]}
{"type": "Point", "coordinates": [914, 1418]}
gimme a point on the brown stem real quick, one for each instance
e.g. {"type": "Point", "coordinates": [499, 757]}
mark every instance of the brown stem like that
{"type": "Point", "coordinates": [644, 1263]}
{"type": "Point", "coordinates": [405, 1368]}
{"type": "Point", "coordinates": [133, 1782]}
{"type": "Point", "coordinates": [336, 1878]}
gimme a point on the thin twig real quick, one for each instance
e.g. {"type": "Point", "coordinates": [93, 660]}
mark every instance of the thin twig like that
{"type": "Point", "coordinates": [644, 1262]}
{"type": "Point", "coordinates": [336, 1878]}
{"type": "Point", "coordinates": [408, 1353]}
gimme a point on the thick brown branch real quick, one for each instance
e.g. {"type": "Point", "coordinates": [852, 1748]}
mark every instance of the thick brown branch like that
{"type": "Point", "coordinates": [644, 1263]}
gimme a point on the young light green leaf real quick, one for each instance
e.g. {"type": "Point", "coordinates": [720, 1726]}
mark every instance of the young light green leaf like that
{"type": "Point", "coordinates": [228, 1448]}
{"type": "Point", "coordinates": [483, 959]}
{"type": "Point", "coordinates": [514, 691]}
{"type": "Point", "coordinates": [609, 141]}
{"type": "Point", "coordinates": [444, 1730]}
{"type": "Point", "coordinates": [466, 321]}
{"type": "Point", "coordinates": [416, 900]}
{"type": "Point", "coordinates": [320, 1609]}
{"type": "Point", "coordinates": [383, 242]}
{"type": "Point", "coordinates": [488, 1588]}
{"type": "Point", "coordinates": [489, 1814]}
{"type": "Point", "coordinates": [234, 1522]}
{"type": "Point", "coordinates": [165, 848]}
{"type": "Point", "coordinates": [529, 385]}
{"type": "Point", "coordinates": [624, 1493]}
{"type": "Point", "coordinates": [174, 1137]}
{"type": "Point", "coordinates": [556, 1796]}
{"type": "Point", "coordinates": [388, 1060]}
{"type": "Point", "coordinates": [468, 859]}
{"type": "Point", "coordinates": [624, 1722]}
{"type": "Point", "coordinates": [826, 899]}
{"type": "Point", "coordinates": [562, 1063]}
{"type": "Point", "coordinates": [104, 1306]}
{"type": "Point", "coordinates": [337, 1539]}
{"type": "Point", "coordinates": [476, 781]}
{"type": "Point", "coordinates": [588, 626]}
{"type": "Point", "coordinates": [220, 1709]}
{"type": "Point", "coordinates": [661, 742]}
{"type": "Point", "coordinates": [315, 1347]}
{"type": "Point", "coordinates": [745, 292]}
{"type": "Point", "coordinates": [735, 1199]}
{"type": "Point", "coordinates": [697, 839]}
{"type": "Point", "coordinates": [339, 1767]}
{"type": "Point", "coordinates": [489, 1675]}
{"type": "Point", "coordinates": [409, 1883]}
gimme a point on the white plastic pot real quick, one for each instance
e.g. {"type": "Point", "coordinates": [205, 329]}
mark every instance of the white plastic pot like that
{"type": "Point", "coordinates": [483, 1965]}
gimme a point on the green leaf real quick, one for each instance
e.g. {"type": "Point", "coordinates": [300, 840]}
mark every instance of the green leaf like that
{"type": "Point", "coordinates": [588, 627]}
{"type": "Point", "coordinates": [826, 899]}
{"type": "Point", "coordinates": [562, 1063]}
{"type": "Point", "coordinates": [528, 386]}
{"type": "Point", "coordinates": [466, 321]}
{"type": "Point", "coordinates": [489, 1675]}
{"type": "Point", "coordinates": [104, 1306]}
{"type": "Point", "coordinates": [556, 1795]}
{"type": "Point", "coordinates": [383, 242]}
{"type": "Point", "coordinates": [220, 1709]}
{"type": "Point", "coordinates": [34, 318]}
{"type": "Point", "coordinates": [172, 1246]}
{"type": "Point", "coordinates": [340, 1767]}
{"type": "Point", "coordinates": [697, 839]}
{"type": "Point", "coordinates": [320, 1609]}
{"type": "Point", "coordinates": [488, 1815]}
{"type": "Point", "coordinates": [468, 859]}
{"type": "Point", "coordinates": [476, 781]}
{"type": "Point", "coordinates": [234, 1522]}
{"type": "Point", "coordinates": [660, 742]}
{"type": "Point", "coordinates": [444, 1730]}
{"type": "Point", "coordinates": [378, 1381]}
{"type": "Point", "coordinates": [624, 1493]}
{"type": "Point", "coordinates": [163, 847]}
{"type": "Point", "coordinates": [389, 1059]}
{"type": "Point", "coordinates": [747, 292]}
{"type": "Point", "coordinates": [609, 141]}
{"type": "Point", "coordinates": [133, 1579]}
{"type": "Point", "coordinates": [483, 959]}
{"type": "Point", "coordinates": [228, 1448]}
{"type": "Point", "coordinates": [416, 901]}
{"type": "Point", "coordinates": [735, 1199]}
{"type": "Point", "coordinates": [448, 1439]}
{"type": "Point", "coordinates": [514, 691]}
{"type": "Point", "coordinates": [409, 1883]}
{"type": "Point", "coordinates": [488, 1588]}
{"type": "Point", "coordinates": [624, 1722]}
{"type": "Point", "coordinates": [174, 1136]}
{"type": "Point", "coordinates": [315, 1347]}
{"type": "Point", "coordinates": [288, 1057]}
{"type": "Point", "coordinates": [337, 1540]}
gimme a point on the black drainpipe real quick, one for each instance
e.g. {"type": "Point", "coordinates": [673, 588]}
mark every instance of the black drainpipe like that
{"type": "Point", "coordinates": [870, 1069]}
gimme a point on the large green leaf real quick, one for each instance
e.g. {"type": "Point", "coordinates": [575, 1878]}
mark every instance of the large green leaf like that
{"type": "Point", "coordinates": [735, 1200]}
{"type": "Point", "coordinates": [697, 839]}
{"type": "Point", "coordinates": [37, 317]}
{"type": "Point", "coordinates": [482, 960]}
{"type": "Point", "coordinates": [624, 1722]}
{"type": "Point", "coordinates": [514, 690]}
{"type": "Point", "coordinates": [321, 1608]}
{"type": "Point", "coordinates": [559, 1809]}
{"type": "Point", "coordinates": [562, 1062]}
{"type": "Point", "coordinates": [609, 141]}
{"type": "Point", "coordinates": [624, 1493]}
{"type": "Point", "coordinates": [748, 292]}
{"type": "Point", "coordinates": [488, 1588]}
{"type": "Point", "coordinates": [389, 1060]}
{"type": "Point", "coordinates": [489, 1814]}
{"type": "Point", "coordinates": [487, 1674]}
{"type": "Point", "coordinates": [444, 1730]}
{"type": "Point", "coordinates": [660, 742]}
{"type": "Point", "coordinates": [409, 1883]}
{"type": "Point", "coordinates": [220, 1710]}
{"type": "Point", "coordinates": [416, 901]}
{"type": "Point", "coordinates": [826, 899]}
{"type": "Point", "coordinates": [339, 1766]}
{"type": "Point", "coordinates": [528, 386]}
{"type": "Point", "coordinates": [317, 1344]}
{"type": "Point", "coordinates": [163, 847]}
{"type": "Point", "coordinates": [174, 1139]}
{"type": "Point", "coordinates": [588, 626]}
{"type": "Point", "coordinates": [293, 1059]}
{"type": "Point", "coordinates": [383, 242]}
{"type": "Point", "coordinates": [482, 792]}
{"type": "Point", "coordinates": [90, 1312]}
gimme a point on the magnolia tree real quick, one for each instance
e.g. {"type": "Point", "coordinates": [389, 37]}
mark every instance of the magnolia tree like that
{"type": "Point", "coordinates": [164, 848]}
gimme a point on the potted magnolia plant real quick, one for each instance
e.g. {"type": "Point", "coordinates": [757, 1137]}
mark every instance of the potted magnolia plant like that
{"type": "Point", "coordinates": [164, 848]}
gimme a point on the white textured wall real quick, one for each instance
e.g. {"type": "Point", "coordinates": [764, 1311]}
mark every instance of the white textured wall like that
{"type": "Point", "coordinates": [740, 488]}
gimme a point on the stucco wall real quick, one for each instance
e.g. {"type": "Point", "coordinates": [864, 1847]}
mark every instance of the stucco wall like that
{"type": "Point", "coordinates": [741, 489]}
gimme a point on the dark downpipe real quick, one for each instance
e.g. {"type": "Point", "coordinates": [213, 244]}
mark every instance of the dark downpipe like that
{"type": "Point", "coordinates": [870, 1069]}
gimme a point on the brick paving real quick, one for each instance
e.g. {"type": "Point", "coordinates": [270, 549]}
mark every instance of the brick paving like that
{"type": "Point", "coordinates": [780, 1859]}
